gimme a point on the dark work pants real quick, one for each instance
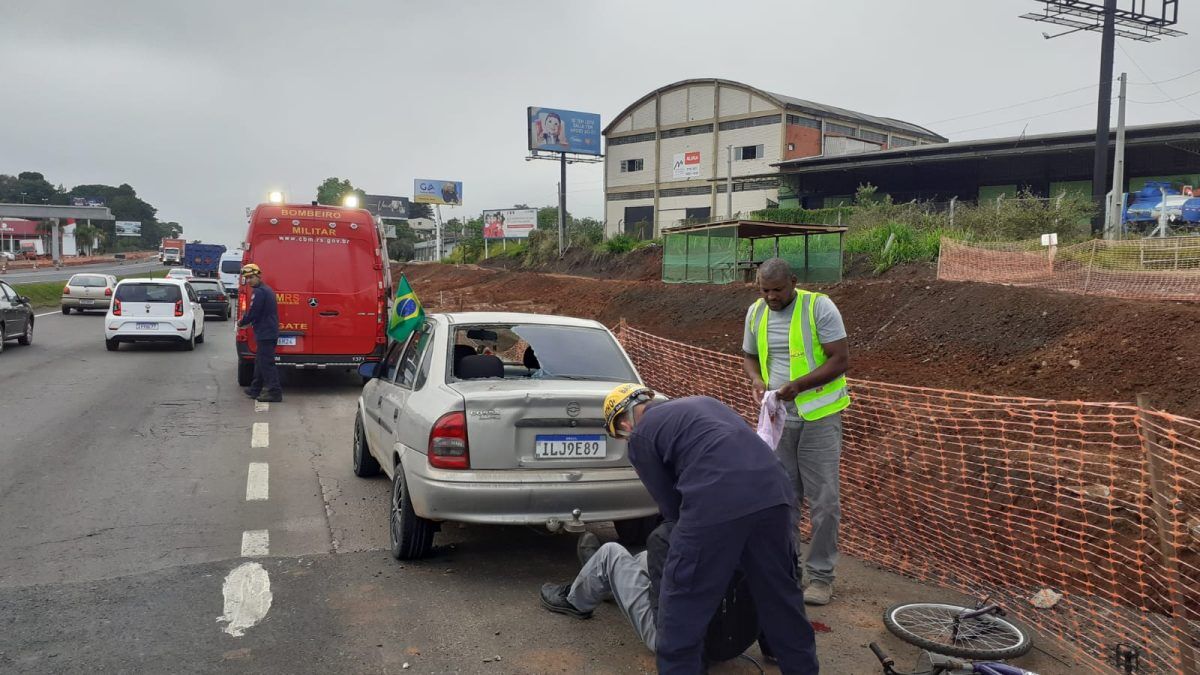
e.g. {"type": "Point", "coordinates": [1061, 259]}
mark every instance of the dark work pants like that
{"type": "Point", "coordinates": [699, 566]}
{"type": "Point", "coordinates": [266, 374]}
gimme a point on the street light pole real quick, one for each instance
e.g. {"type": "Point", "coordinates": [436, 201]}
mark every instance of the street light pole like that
{"type": "Point", "coordinates": [1103, 115]}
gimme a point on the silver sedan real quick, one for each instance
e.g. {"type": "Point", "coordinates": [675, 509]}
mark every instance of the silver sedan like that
{"type": "Point", "coordinates": [496, 418]}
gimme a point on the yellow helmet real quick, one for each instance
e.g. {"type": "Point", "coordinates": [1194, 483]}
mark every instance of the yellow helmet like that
{"type": "Point", "coordinates": [250, 270]}
{"type": "Point", "coordinates": [620, 399]}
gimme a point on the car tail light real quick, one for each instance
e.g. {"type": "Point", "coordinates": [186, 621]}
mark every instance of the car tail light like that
{"type": "Point", "coordinates": [66, 290]}
{"type": "Point", "coordinates": [448, 442]}
{"type": "Point", "coordinates": [242, 303]}
{"type": "Point", "coordinates": [178, 308]}
{"type": "Point", "coordinates": [221, 298]}
{"type": "Point", "coordinates": [108, 292]}
{"type": "Point", "coordinates": [116, 308]}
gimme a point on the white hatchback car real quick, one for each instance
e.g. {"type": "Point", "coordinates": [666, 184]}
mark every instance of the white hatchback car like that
{"type": "Point", "coordinates": [154, 310]}
{"type": "Point", "coordinates": [496, 418]}
{"type": "Point", "coordinates": [181, 273]}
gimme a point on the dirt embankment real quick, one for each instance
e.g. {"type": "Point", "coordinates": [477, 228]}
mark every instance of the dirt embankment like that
{"type": "Point", "coordinates": [905, 327]}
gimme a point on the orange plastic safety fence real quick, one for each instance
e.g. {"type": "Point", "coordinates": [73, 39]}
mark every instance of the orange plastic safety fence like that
{"type": "Point", "coordinates": [1151, 268]}
{"type": "Point", "coordinates": [1003, 497]}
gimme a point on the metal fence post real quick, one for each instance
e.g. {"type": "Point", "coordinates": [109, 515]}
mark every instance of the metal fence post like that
{"type": "Point", "coordinates": [1161, 501]}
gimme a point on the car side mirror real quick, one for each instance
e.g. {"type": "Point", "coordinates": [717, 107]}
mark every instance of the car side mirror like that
{"type": "Point", "coordinates": [367, 370]}
{"type": "Point", "coordinates": [24, 300]}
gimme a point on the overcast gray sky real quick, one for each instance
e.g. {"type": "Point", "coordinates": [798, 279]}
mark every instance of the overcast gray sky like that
{"type": "Point", "coordinates": [205, 106]}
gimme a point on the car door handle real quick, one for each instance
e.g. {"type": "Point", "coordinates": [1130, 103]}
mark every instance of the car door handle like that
{"type": "Point", "coordinates": [395, 414]}
{"type": "Point", "coordinates": [329, 313]}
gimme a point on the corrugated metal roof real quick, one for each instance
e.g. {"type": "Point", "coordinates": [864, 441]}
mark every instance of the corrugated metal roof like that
{"type": "Point", "coordinates": [834, 111]}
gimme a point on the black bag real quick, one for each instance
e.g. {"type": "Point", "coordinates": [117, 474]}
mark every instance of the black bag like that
{"type": "Point", "coordinates": [734, 627]}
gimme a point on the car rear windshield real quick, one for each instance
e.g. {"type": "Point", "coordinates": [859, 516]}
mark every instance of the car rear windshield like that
{"type": "Point", "coordinates": [207, 286]}
{"type": "Point", "coordinates": [546, 352]}
{"type": "Point", "coordinates": [231, 266]}
{"type": "Point", "coordinates": [88, 280]}
{"type": "Point", "coordinates": [149, 293]}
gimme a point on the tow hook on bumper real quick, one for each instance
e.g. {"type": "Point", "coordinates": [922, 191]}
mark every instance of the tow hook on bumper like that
{"type": "Point", "coordinates": [574, 525]}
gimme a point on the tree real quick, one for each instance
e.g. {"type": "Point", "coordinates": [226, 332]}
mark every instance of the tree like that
{"type": "Point", "coordinates": [548, 218]}
{"type": "Point", "coordinates": [85, 237]}
{"type": "Point", "coordinates": [402, 246]}
{"type": "Point", "coordinates": [416, 210]}
{"type": "Point", "coordinates": [334, 190]}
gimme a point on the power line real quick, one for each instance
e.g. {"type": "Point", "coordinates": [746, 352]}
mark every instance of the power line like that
{"type": "Point", "coordinates": [1167, 100]}
{"type": "Point", "coordinates": [1156, 84]}
{"type": "Point", "coordinates": [1016, 105]}
{"type": "Point", "coordinates": [1178, 77]}
{"type": "Point", "coordinates": [1023, 119]}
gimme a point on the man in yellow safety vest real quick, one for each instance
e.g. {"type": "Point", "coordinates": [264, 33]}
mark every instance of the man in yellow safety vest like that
{"type": "Point", "coordinates": [794, 343]}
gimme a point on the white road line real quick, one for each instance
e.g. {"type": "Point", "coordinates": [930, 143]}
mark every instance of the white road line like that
{"type": "Point", "coordinates": [247, 592]}
{"type": "Point", "coordinates": [260, 435]}
{"type": "Point", "coordinates": [38, 316]}
{"type": "Point", "coordinates": [256, 543]}
{"type": "Point", "coordinates": [262, 406]}
{"type": "Point", "coordinates": [256, 482]}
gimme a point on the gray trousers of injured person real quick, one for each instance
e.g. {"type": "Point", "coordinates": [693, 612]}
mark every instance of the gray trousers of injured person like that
{"type": "Point", "coordinates": [614, 573]}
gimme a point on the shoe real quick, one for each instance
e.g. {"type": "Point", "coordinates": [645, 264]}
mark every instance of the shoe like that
{"type": "Point", "coordinates": [818, 593]}
{"type": "Point", "coordinates": [267, 397]}
{"type": "Point", "coordinates": [251, 393]}
{"type": "Point", "coordinates": [587, 546]}
{"type": "Point", "coordinates": [554, 598]}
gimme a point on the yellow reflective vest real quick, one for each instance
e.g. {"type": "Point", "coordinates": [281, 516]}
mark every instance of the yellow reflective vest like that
{"type": "Point", "coordinates": [805, 355]}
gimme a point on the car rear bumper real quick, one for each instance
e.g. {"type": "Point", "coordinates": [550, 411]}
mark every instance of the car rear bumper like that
{"type": "Point", "coordinates": [216, 308]}
{"type": "Point", "coordinates": [125, 330]}
{"type": "Point", "coordinates": [314, 361]}
{"type": "Point", "coordinates": [78, 303]}
{"type": "Point", "coordinates": [526, 497]}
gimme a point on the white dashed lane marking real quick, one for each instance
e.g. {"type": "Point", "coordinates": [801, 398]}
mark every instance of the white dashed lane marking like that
{"type": "Point", "coordinates": [260, 435]}
{"type": "Point", "coordinates": [262, 406]}
{"type": "Point", "coordinates": [256, 543]}
{"type": "Point", "coordinates": [247, 592]}
{"type": "Point", "coordinates": [256, 481]}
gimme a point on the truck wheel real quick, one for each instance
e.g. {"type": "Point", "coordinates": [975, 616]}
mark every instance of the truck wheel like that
{"type": "Point", "coordinates": [365, 465]}
{"type": "Point", "coordinates": [245, 373]}
{"type": "Point", "coordinates": [411, 536]}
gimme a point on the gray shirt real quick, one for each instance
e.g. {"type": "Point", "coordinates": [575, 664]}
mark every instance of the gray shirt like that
{"type": "Point", "coordinates": [829, 329]}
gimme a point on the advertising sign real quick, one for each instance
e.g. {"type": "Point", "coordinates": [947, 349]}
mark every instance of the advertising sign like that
{"type": "Point", "coordinates": [437, 192]}
{"type": "Point", "coordinates": [556, 130]}
{"type": "Point", "coordinates": [509, 223]}
{"type": "Point", "coordinates": [87, 201]}
{"type": "Point", "coordinates": [687, 165]}
{"type": "Point", "coordinates": [129, 228]}
{"type": "Point", "coordinates": [386, 206]}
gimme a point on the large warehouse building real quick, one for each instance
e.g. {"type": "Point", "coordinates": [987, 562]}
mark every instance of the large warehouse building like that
{"type": "Point", "coordinates": [667, 153]}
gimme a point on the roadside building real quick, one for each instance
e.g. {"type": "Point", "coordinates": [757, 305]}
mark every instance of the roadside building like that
{"type": "Point", "coordinates": [667, 153]}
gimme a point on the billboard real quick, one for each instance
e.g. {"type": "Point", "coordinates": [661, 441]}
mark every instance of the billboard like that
{"type": "Point", "coordinates": [87, 201]}
{"type": "Point", "coordinates": [437, 192]}
{"type": "Point", "coordinates": [509, 223]}
{"type": "Point", "coordinates": [687, 165]}
{"type": "Point", "coordinates": [554, 130]}
{"type": "Point", "coordinates": [386, 206]}
{"type": "Point", "coordinates": [129, 228]}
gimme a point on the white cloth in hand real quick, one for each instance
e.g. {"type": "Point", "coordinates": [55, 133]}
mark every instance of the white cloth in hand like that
{"type": "Point", "coordinates": [771, 418]}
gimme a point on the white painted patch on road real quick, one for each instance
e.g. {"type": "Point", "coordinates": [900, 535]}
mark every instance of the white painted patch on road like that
{"type": "Point", "coordinates": [247, 594]}
{"type": "Point", "coordinates": [262, 406]}
{"type": "Point", "coordinates": [38, 316]}
{"type": "Point", "coordinates": [256, 482]}
{"type": "Point", "coordinates": [260, 435]}
{"type": "Point", "coordinates": [256, 543]}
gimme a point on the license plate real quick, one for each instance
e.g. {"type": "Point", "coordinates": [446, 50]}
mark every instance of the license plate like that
{"type": "Point", "coordinates": [287, 341]}
{"type": "Point", "coordinates": [570, 447]}
{"type": "Point", "coordinates": [143, 325]}
{"type": "Point", "coordinates": [86, 301]}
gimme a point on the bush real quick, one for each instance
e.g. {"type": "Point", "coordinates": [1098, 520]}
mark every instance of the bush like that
{"type": "Point", "coordinates": [907, 245]}
{"type": "Point", "coordinates": [830, 216]}
{"type": "Point", "coordinates": [621, 243]}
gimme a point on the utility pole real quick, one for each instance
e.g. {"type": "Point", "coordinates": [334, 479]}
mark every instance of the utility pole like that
{"type": "Point", "coordinates": [1103, 106]}
{"type": "Point", "coordinates": [729, 181]}
{"type": "Point", "coordinates": [562, 201]}
{"type": "Point", "coordinates": [1116, 201]}
{"type": "Point", "coordinates": [437, 232]}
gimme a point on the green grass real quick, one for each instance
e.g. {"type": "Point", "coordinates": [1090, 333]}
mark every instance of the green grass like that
{"type": "Point", "coordinates": [49, 293]}
{"type": "Point", "coordinates": [908, 245]}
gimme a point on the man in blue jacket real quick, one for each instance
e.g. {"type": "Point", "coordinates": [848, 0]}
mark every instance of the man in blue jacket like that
{"type": "Point", "coordinates": [263, 316]}
{"type": "Point", "coordinates": [730, 500]}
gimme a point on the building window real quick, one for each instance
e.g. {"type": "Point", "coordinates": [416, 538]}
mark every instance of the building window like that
{"type": "Point", "coordinates": [749, 122]}
{"type": "Point", "coordinates": [873, 136]}
{"type": "Point", "coordinates": [637, 194]}
{"type": "Point", "coordinates": [791, 147]}
{"type": "Point", "coordinates": [686, 131]}
{"type": "Point", "coordinates": [832, 128]}
{"type": "Point", "coordinates": [748, 152]}
{"type": "Point", "coordinates": [804, 121]}
{"type": "Point", "coordinates": [749, 186]}
{"type": "Point", "coordinates": [686, 191]}
{"type": "Point", "coordinates": [636, 138]}
{"type": "Point", "coordinates": [631, 165]}
{"type": "Point", "coordinates": [899, 142]}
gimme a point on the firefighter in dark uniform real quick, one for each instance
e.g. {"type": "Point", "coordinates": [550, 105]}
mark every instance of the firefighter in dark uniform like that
{"type": "Point", "coordinates": [263, 316]}
{"type": "Point", "coordinates": [730, 500]}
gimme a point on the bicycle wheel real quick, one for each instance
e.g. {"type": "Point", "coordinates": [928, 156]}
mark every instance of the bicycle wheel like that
{"type": "Point", "coordinates": [929, 625]}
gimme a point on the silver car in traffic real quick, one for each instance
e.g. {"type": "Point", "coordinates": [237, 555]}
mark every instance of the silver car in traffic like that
{"type": "Point", "coordinates": [496, 418]}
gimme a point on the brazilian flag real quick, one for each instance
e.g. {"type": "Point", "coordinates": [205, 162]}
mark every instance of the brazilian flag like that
{"type": "Point", "coordinates": [407, 313]}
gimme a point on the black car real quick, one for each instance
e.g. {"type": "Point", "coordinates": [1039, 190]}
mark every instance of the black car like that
{"type": "Point", "coordinates": [16, 317]}
{"type": "Point", "coordinates": [212, 298]}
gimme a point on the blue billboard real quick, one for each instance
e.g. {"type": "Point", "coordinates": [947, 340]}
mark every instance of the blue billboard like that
{"type": "Point", "coordinates": [426, 191]}
{"type": "Point", "coordinates": [554, 130]}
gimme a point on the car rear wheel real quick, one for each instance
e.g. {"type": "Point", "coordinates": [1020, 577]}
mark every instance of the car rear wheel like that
{"type": "Point", "coordinates": [200, 338]}
{"type": "Point", "coordinates": [190, 344]}
{"type": "Point", "coordinates": [411, 535]}
{"type": "Point", "coordinates": [27, 337]}
{"type": "Point", "coordinates": [635, 532]}
{"type": "Point", "coordinates": [365, 465]}
{"type": "Point", "coordinates": [112, 345]}
{"type": "Point", "coordinates": [66, 310]}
